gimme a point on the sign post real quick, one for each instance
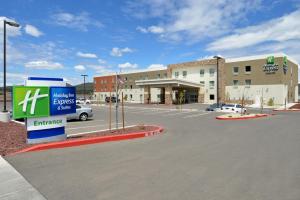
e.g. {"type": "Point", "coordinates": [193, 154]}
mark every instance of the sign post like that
{"type": "Point", "coordinates": [44, 103]}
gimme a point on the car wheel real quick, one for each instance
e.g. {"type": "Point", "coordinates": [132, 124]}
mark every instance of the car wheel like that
{"type": "Point", "coordinates": [83, 117]}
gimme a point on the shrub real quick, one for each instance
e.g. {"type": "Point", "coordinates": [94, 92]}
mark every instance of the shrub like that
{"type": "Point", "coordinates": [271, 102]}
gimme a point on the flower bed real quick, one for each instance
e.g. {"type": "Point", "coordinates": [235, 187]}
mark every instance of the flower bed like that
{"type": "Point", "coordinates": [13, 137]}
{"type": "Point", "coordinates": [238, 116]}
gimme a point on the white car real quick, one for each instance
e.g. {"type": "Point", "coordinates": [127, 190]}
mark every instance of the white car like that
{"type": "Point", "coordinates": [233, 108]}
{"type": "Point", "coordinates": [82, 101]}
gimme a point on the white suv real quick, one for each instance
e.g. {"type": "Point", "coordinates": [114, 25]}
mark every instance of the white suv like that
{"type": "Point", "coordinates": [235, 108]}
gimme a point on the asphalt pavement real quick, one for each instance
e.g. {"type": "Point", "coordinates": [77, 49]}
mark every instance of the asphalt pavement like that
{"type": "Point", "coordinates": [197, 157]}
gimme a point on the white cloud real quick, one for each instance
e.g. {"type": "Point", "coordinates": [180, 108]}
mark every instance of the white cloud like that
{"type": "Point", "coordinates": [101, 61]}
{"type": "Point", "coordinates": [276, 30]}
{"type": "Point", "coordinates": [14, 78]}
{"type": "Point", "coordinates": [33, 31]}
{"type": "Point", "coordinates": [156, 66]}
{"type": "Point", "coordinates": [191, 20]}
{"type": "Point", "coordinates": [79, 21]}
{"type": "Point", "coordinates": [128, 65]}
{"type": "Point", "coordinates": [11, 31]}
{"type": "Point", "coordinates": [86, 55]}
{"type": "Point", "coordinates": [79, 68]}
{"type": "Point", "coordinates": [100, 69]}
{"type": "Point", "coordinates": [43, 64]}
{"type": "Point", "coordinates": [151, 29]}
{"type": "Point", "coordinates": [119, 52]}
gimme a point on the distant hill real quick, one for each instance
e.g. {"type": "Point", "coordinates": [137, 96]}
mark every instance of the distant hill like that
{"type": "Point", "coordinates": [8, 89]}
{"type": "Point", "coordinates": [89, 88]}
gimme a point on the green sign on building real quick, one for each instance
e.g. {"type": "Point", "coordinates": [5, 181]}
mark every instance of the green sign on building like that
{"type": "Point", "coordinates": [271, 60]}
{"type": "Point", "coordinates": [30, 101]}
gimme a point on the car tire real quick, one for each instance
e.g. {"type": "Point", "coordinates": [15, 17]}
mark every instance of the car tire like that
{"type": "Point", "coordinates": [83, 117]}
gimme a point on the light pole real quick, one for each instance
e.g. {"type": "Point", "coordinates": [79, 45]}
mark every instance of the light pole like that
{"type": "Point", "coordinates": [218, 58]}
{"type": "Point", "coordinates": [84, 75]}
{"type": "Point", "coordinates": [14, 24]}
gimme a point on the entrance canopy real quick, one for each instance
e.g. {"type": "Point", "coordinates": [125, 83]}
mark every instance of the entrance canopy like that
{"type": "Point", "coordinates": [168, 82]}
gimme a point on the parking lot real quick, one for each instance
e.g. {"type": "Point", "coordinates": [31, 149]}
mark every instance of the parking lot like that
{"type": "Point", "coordinates": [197, 157]}
{"type": "Point", "coordinates": [100, 120]}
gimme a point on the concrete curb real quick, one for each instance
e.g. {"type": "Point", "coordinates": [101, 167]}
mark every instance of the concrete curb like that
{"type": "Point", "coordinates": [93, 140]}
{"type": "Point", "coordinates": [244, 118]}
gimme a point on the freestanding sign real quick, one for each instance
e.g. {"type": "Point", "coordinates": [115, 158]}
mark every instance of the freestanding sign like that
{"type": "Point", "coordinates": [44, 103]}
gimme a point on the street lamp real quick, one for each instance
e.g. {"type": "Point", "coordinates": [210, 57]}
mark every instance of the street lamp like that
{"type": "Point", "coordinates": [84, 75]}
{"type": "Point", "coordinates": [14, 24]}
{"type": "Point", "coordinates": [218, 58]}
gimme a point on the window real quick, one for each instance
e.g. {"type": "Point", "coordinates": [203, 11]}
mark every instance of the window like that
{"type": "Point", "coordinates": [211, 84]}
{"type": "Point", "coordinates": [211, 72]}
{"type": "Point", "coordinates": [130, 86]}
{"type": "Point", "coordinates": [247, 82]}
{"type": "Point", "coordinates": [176, 74]}
{"type": "Point", "coordinates": [184, 73]}
{"type": "Point", "coordinates": [158, 76]}
{"type": "Point", "coordinates": [125, 78]}
{"type": "Point", "coordinates": [248, 69]}
{"type": "Point", "coordinates": [235, 82]}
{"type": "Point", "coordinates": [202, 82]}
{"type": "Point", "coordinates": [130, 96]}
{"type": "Point", "coordinates": [211, 97]}
{"type": "Point", "coordinates": [235, 70]}
{"type": "Point", "coordinates": [202, 71]}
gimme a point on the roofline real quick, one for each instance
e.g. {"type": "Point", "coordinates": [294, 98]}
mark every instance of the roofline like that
{"type": "Point", "coordinates": [168, 81]}
{"type": "Point", "coordinates": [262, 56]}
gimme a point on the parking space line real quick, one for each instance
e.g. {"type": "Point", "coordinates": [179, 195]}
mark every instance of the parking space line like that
{"type": "Point", "coordinates": [76, 134]}
{"type": "Point", "coordinates": [177, 113]}
{"type": "Point", "coordinates": [190, 116]}
{"type": "Point", "coordinates": [160, 112]}
{"type": "Point", "coordinates": [81, 127]}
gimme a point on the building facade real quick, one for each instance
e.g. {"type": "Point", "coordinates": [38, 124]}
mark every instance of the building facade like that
{"type": "Point", "coordinates": [264, 78]}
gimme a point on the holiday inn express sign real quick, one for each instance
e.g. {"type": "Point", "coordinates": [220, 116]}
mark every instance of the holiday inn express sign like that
{"type": "Point", "coordinates": [44, 103]}
{"type": "Point", "coordinates": [32, 102]}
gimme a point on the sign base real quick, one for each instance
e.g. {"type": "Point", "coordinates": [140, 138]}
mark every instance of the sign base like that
{"type": "Point", "coordinates": [46, 135]}
{"type": "Point", "coordinates": [4, 117]}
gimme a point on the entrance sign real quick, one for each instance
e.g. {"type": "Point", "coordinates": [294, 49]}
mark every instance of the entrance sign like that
{"type": "Point", "coordinates": [45, 123]}
{"type": "Point", "coordinates": [270, 67]}
{"type": "Point", "coordinates": [44, 103]}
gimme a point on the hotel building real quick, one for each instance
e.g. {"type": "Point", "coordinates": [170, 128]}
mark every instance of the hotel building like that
{"type": "Point", "coordinates": [268, 77]}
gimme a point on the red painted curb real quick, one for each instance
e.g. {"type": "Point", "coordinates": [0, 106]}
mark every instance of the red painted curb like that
{"type": "Point", "coordinates": [93, 140]}
{"type": "Point", "coordinates": [244, 118]}
{"type": "Point", "coordinates": [287, 110]}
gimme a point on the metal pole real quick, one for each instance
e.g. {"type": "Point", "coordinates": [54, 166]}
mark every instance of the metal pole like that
{"type": "Point", "coordinates": [109, 111]}
{"type": "Point", "coordinates": [123, 117]}
{"type": "Point", "coordinates": [84, 87]}
{"type": "Point", "coordinates": [117, 101]}
{"type": "Point", "coordinates": [4, 66]}
{"type": "Point", "coordinates": [217, 81]}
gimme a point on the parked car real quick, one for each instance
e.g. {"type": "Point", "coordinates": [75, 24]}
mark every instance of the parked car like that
{"type": "Point", "coordinates": [82, 113]}
{"type": "Point", "coordinates": [215, 107]}
{"type": "Point", "coordinates": [83, 101]}
{"type": "Point", "coordinates": [113, 99]}
{"type": "Point", "coordinates": [235, 108]}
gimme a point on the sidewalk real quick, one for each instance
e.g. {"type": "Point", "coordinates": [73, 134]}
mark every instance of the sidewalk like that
{"type": "Point", "coordinates": [14, 186]}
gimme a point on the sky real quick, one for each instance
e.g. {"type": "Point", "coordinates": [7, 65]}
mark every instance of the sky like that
{"type": "Point", "coordinates": [67, 38]}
